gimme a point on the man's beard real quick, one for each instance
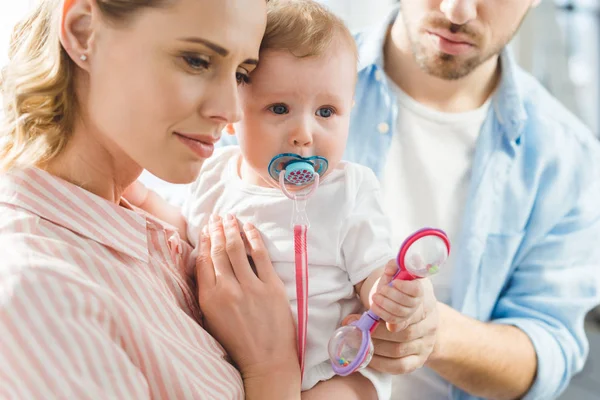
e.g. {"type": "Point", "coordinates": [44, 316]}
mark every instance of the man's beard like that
{"type": "Point", "coordinates": [448, 66]}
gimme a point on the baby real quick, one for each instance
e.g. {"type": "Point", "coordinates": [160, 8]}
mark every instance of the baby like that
{"type": "Point", "coordinates": [299, 100]}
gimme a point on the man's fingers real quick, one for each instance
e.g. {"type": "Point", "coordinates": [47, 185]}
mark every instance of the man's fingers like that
{"type": "Point", "coordinates": [396, 366]}
{"type": "Point", "coordinates": [349, 319]}
{"type": "Point", "coordinates": [398, 350]}
{"type": "Point", "coordinates": [411, 332]}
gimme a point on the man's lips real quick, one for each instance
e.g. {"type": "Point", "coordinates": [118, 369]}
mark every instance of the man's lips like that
{"type": "Point", "coordinates": [452, 37]}
{"type": "Point", "coordinates": [450, 43]}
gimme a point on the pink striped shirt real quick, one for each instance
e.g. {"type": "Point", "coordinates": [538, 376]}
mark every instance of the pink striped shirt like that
{"type": "Point", "coordinates": [96, 301]}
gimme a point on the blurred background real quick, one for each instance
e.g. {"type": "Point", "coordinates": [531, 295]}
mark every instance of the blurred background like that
{"type": "Point", "coordinates": [559, 43]}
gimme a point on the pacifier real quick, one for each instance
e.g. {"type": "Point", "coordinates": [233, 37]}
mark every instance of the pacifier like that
{"type": "Point", "coordinates": [295, 170]}
{"type": "Point", "coordinates": [299, 171]}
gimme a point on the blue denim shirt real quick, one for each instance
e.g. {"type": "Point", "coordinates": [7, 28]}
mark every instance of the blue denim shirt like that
{"type": "Point", "coordinates": [530, 256]}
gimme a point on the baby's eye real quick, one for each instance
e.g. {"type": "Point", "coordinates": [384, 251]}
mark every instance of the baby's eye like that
{"type": "Point", "coordinates": [279, 109]}
{"type": "Point", "coordinates": [325, 112]}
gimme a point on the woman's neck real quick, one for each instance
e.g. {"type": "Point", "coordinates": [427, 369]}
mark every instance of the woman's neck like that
{"type": "Point", "coordinates": [99, 167]}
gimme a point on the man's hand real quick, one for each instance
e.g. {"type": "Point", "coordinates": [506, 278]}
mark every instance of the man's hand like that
{"type": "Point", "coordinates": [405, 345]}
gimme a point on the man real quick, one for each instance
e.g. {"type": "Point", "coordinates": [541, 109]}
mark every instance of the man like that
{"type": "Point", "coordinates": [464, 140]}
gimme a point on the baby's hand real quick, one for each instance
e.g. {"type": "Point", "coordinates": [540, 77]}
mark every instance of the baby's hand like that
{"type": "Point", "coordinates": [395, 304]}
{"type": "Point", "coordinates": [136, 194]}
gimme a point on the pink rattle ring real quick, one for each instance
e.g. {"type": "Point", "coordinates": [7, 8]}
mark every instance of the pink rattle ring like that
{"type": "Point", "coordinates": [422, 254]}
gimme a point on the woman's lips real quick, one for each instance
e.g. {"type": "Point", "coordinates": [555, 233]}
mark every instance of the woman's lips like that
{"type": "Point", "coordinates": [202, 146]}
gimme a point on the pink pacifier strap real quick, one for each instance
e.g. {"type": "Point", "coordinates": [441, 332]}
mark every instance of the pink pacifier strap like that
{"type": "Point", "coordinates": [301, 263]}
{"type": "Point", "coordinates": [301, 259]}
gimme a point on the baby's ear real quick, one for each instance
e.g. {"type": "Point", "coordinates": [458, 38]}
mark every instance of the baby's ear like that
{"type": "Point", "coordinates": [230, 129]}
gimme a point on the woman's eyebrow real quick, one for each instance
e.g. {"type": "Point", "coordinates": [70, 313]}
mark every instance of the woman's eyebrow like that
{"type": "Point", "coordinates": [223, 52]}
{"type": "Point", "coordinates": [213, 46]}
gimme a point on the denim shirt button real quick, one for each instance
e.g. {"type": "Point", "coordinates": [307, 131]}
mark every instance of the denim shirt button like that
{"type": "Point", "coordinates": [378, 75]}
{"type": "Point", "coordinates": [383, 128]}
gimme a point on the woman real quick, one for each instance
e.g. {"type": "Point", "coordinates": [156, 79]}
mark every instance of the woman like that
{"type": "Point", "coordinates": [96, 300]}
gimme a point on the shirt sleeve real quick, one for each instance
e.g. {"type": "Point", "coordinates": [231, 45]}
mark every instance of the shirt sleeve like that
{"type": "Point", "coordinates": [366, 242]}
{"type": "Point", "coordinates": [58, 340]}
{"type": "Point", "coordinates": [551, 290]}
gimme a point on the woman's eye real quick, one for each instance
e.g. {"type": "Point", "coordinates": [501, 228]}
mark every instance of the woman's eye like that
{"type": "Point", "coordinates": [242, 78]}
{"type": "Point", "coordinates": [195, 62]}
{"type": "Point", "coordinates": [325, 112]}
{"type": "Point", "coordinates": [279, 109]}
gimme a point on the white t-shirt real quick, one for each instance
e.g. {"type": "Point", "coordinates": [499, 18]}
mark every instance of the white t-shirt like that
{"type": "Point", "coordinates": [425, 183]}
{"type": "Point", "coordinates": [348, 238]}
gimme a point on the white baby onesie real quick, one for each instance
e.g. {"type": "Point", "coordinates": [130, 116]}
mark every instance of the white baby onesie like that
{"type": "Point", "coordinates": [348, 238]}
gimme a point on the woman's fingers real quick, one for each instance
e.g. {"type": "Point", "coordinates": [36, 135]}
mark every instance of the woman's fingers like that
{"type": "Point", "coordinates": [205, 270]}
{"type": "Point", "coordinates": [236, 250]}
{"type": "Point", "coordinates": [259, 253]}
{"type": "Point", "coordinates": [218, 250]}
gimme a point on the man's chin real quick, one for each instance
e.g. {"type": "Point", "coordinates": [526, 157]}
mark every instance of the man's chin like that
{"type": "Point", "coordinates": [448, 67]}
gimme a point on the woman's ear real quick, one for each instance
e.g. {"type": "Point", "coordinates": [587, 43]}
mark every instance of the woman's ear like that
{"type": "Point", "coordinates": [76, 33]}
{"type": "Point", "coordinates": [230, 129]}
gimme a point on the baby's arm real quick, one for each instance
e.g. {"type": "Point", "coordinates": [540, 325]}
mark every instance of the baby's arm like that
{"type": "Point", "coordinates": [394, 303]}
{"type": "Point", "coordinates": [367, 288]}
{"type": "Point", "coordinates": [148, 200]}
{"type": "Point", "coordinates": [354, 386]}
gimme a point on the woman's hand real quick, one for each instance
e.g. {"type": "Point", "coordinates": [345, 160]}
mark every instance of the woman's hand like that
{"type": "Point", "coordinates": [248, 312]}
{"type": "Point", "coordinates": [411, 343]}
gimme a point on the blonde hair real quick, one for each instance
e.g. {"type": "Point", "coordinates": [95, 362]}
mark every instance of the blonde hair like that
{"type": "Point", "coordinates": [37, 84]}
{"type": "Point", "coordinates": [305, 28]}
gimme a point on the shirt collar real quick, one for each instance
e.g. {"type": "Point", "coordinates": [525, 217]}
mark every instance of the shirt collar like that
{"type": "Point", "coordinates": [507, 101]}
{"type": "Point", "coordinates": [76, 209]}
{"type": "Point", "coordinates": [371, 41]}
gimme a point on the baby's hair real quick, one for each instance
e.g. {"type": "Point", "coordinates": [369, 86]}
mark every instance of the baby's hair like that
{"type": "Point", "coordinates": [305, 28]}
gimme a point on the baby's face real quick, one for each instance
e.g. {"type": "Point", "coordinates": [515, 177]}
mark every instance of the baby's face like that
{"type": "Point", "coordinates": [296, 105]}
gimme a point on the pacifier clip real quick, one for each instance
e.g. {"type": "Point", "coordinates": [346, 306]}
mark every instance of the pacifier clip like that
{"type": "Point", "coordinates": [292, 169]}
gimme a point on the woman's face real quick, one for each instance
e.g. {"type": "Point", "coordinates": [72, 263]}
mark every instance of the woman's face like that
{"type": "Point", "coordinates": [160, 89]}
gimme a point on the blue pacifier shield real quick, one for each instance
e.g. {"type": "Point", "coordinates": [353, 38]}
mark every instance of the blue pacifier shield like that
{"type": "Point", "coordinates": [299, 171]}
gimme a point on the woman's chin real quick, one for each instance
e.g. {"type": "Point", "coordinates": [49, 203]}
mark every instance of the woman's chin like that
{"type": "Point", "coordinates": [180, 174]}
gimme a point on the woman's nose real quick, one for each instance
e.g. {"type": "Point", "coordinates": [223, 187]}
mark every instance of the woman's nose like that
{"type": "Point", "coordinates": [459, 12]}
{"type": "Point", "coordinates": [222, 102]}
